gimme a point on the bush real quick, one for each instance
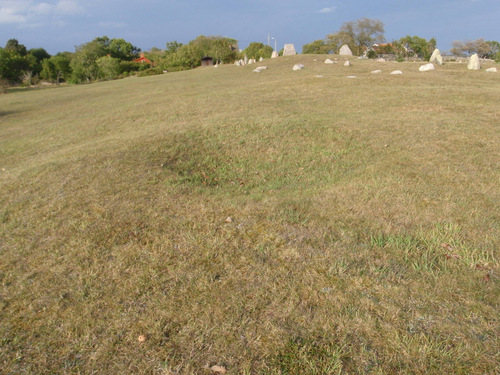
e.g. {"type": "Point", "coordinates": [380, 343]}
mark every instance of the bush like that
{"type": "Point", "coordinates": [371, 54]}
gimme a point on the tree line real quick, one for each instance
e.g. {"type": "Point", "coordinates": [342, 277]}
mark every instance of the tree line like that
{"type": "Point", "coordinates": [104, 58]}
{"type": "Point", "coordinates": [363, 34]}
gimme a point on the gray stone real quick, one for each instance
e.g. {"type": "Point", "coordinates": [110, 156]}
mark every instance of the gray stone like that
{"type": "Point", "coordinates": [426, 67]}
{"type": "Point", "coordinates": [289, 50]}
{"type": "Point", "coordinates": [436, 57]}
{"type": "Point", "coordinates": [345, 50]}
{"type": "Point", "coordinates": [491, 70]}
{"type": "Point", "coordinates": [298, 67]}
{"type": "Point", "coordinates": [474, 63]}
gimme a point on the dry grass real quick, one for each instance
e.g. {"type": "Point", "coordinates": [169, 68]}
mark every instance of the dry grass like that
{"type": "Point", "coordinates": [364, 235]}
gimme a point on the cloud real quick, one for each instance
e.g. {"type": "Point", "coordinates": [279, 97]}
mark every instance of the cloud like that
{"type": "Point", "coordinates": [68, 7]}
{"type": "Point", "coordinates": [34, 12]}
{"type": "Point", "coordinates": [328, 10]}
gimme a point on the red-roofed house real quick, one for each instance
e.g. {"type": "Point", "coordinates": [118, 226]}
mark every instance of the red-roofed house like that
{"type": "Point", "coordinates": [144, 60]}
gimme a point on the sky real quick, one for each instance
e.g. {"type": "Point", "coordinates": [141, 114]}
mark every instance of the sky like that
{"type": "Point", "coordinates": [60, 25]}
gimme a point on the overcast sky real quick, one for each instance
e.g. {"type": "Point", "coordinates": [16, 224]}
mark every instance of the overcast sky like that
{"type": "Point", "coordinates": [60, 25]}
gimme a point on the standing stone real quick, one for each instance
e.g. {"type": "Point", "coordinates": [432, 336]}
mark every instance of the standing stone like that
{"type": "Point", "coordinates": [345, 50]}
{"type": "Point", "coordinates": [289, 50]}
{"type": "Point", "coordinates": [426, 67]}
{"type": "Point", "coordinates": [474, 63]}
{"type": "Point", "coordinates": [261, 59]}
{"type": "Point", "coordinates": [347, 63]}
{"type": "Point", "coordinates": [436, 57]}
{"type": "Point", "coordinates": [274, 55]}
{"type": "Point", "coordinates": [246, 60]}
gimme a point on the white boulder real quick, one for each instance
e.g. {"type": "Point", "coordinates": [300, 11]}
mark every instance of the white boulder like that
{"type": "Point", "coordinates": [491, 70]}
{"type": "Point", "coordinates": [328, 61]}
{"type": "Point", "coordinates": [345, 50]}
{"type": "Point", "coordinates": [347, 63]}
{"type": "Point", "coordinates": [274, 55]}
{"type": "Point", "coordinates": [396, 72]}
{"type": "Point", "coordinates": [298, 67]}
{"type": "Point", "coordinates": [436, 57]}
{"type": "Point", "coordinates": [474, 63]}
{"type": "Point", "coordinates": [378, 71]}
{"type": "Point", "coordinates": [426, 67]}
{"type": "Point", "coordinates": [289, 50]}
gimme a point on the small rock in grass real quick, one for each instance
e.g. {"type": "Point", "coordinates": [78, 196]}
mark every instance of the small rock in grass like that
{"type": "Point", "coordinates": [378, 71]}
{"type": "Point", "coordinates": [347, 63]}
{"type": "Point", "coordinates": [351, 77]}
{"type": "Point", "coordinates": [229, 219]}
{"type": "Point", "coordinates": [218, 369]}
{"type": "Point", "coordinates": [396, 72]}
{"type": "Point", "coordinates": [298, 67]}
{"type": "Point", "coordinates": [491, 70]}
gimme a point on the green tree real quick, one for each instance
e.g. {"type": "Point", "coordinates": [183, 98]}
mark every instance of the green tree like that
{"type": "Point", "coordinates": [12, 65]}
{"type": "Point", "coordinates": [56, 68]}
{"type": "Point", "coordinates": [36, 56]}
{"type": "Point", "coordinates": [83, 63]}
{"type": "Point", "coordinates": [358, 35]}
{"type": "Point", "coordinates": [316, 47]}
{"type": "Point", "coordinates": [109, 67]}
{"type": "Point", "coordinates": [13, 46]}
{"type": "Point", "coordinates": [415, 46]}
{"type": "Point", "coordinates": [122, 50]}
{"type": "Point", "coordinates": [256, 50]}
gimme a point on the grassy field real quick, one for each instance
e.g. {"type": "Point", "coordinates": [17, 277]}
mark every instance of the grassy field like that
{"type": "Point", "coordinates": [268, 223]}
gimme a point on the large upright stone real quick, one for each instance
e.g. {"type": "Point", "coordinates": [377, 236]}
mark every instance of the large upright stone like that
{"type": "Point", "coordinates": [436, 57]}
{"type": "Point", "coordinates": [274, 55]}
{"type": "Point", "coordinates": [345, 50]}
{"type": "Point", "coordinates": [474, 63]}
{"type": "Point", "coordinates": [289, 50]}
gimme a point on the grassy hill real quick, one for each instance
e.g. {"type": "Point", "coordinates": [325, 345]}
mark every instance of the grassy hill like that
{"type": "Point", "coordinates": [270, 223]}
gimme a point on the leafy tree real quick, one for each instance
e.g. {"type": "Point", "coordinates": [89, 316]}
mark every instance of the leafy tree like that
{"type": "Point", "coordinates": [256, 50]}
{"type": "Point", "coordinates": [83, 63]}
{"type": "Point", "coordinates": [469, 47]}
{"type": "Point", "coordinates": [316, 47]}
{"type": "Point", "coordinates": [56, 68]}
{"type": "Point", "coordinates": [123, 50]}
{"type": "Point", "coordinates": [13, 46]}
{"type": "Point", "coordinates": [358, 35]}
{"type": "Point", "coordinates": [36, 56]}
{"type": "Point", "coordinates": [12, 64]}
{"type": "Point", "coordinates": [109, 67]}
{"type": "Point", "coordinates": [415, 46]}
{"type": "Point", "coordinates": [172, 47]}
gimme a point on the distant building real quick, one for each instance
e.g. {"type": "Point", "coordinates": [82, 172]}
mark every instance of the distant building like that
{"type": "Point", "coordinates": [144, 60]}
{"type": "Point", "coordinates": [207, 61]}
